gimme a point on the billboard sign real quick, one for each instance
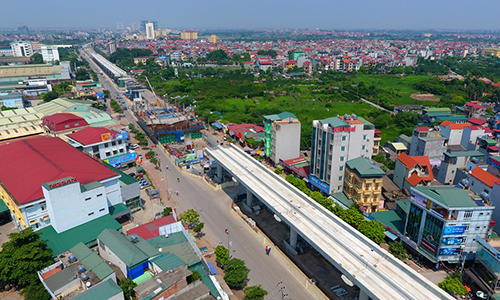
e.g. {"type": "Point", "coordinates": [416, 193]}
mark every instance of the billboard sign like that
{"type": "Point", "coordinates": [324, 187]}
{"type": "Point", "coordinates": [449, 251]}
{"type": "Point", "coordinates": [454, 230]}
{"type": "Point", "coordinates": [119, 160]}
{"type": "Point", "coordinates": [452, 241]}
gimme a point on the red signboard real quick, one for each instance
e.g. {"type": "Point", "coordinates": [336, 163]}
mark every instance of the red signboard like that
{"type": "Point", "coordinates": [62, 182]}
{"type": "Point", "coordinates": [337, 129]}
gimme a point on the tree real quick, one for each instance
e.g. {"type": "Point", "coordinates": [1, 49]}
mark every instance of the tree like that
{"type": "Point", "coordinates": [21, 258]}
{"type": "Point", "coordinates": [190, 217]}
{"type": "Point", "coordinates": [36, 58]}
{"type": "Point", "coordinates": [167, 211]}
{"type": "Point", "coordinates": [236, 273]}
{"type": "Point", "coordinates": [373, 230]}
{"type": "Point", "coordinates": [353, 216]}
{"type": "Point", "coordinates": [35, 291]}
{"type": "Point", "coordinates": [127, 286]}
{"type": "Point", "coordinates": [398, 250]}
{"type": "Point", "coordinates": [82, 74]}
{"type": "Point", "coordinates": [198, 228]}
{"type": "Point", "coordinates": [49, 96]}
{"type": "Point", "coordinates": [278, 171]}
{"type": "Point", "coordinates": [255, 292]}
{"type": "Point", "coordinates": [382, 121]}
{"type": "Point", "coordinates": [195, 276]}
{"type": "Point", "coordinates": [221, 255]}
{"type": "Point", "coordinates": [453, 285]}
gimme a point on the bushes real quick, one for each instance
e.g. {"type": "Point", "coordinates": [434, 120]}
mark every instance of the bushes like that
{"type": "Point", "coordinates": [398, 250]}
{"type": "Point", "coordinates": [453, 284]}
{"type": "Point", "coordinates": [221, 255]}
{"type": "Point", "coordinates": [115, 106]}
{"type": "Point", "coordinates": [373, 230]}
{"type": "Point", "coordinates": [236, 273]}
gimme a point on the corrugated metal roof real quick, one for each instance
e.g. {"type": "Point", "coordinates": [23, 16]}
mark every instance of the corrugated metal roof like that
{"type": "Point", "coordinates": [123, 248]}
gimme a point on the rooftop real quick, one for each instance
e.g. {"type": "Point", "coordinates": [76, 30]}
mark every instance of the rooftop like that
{"type": "Point", "coordinates": [471, 153]}
{"type": "Point", "coordinates": [483, 176]}
{"type": "Point", "coordinates": [450, 197]}
{"type": "Point", "coordinates": [162, 281]}
{"type": "Point", "coordinates": [85, 233]}
{"type": "Point", "coordinates": [365, 167]}
{"type": "Point", "coordinates": [123, 248]}
{"type": "Point", "coordinates": [41, 160]}
{"type": "Point", "coordinates": [103, 291]}
{"type": "Point", "coordinates": [92, 262]}
{"type": "Point", "coordinates": [280, 116]}
{"type": "Point", "coordinates": [390, 219]}
{"type": "Point", "coordinates": [151, 229]}
{"type": "Point", "coordinates": [177, 244]}
{"type": "Point", "coordinates": [93, 135]}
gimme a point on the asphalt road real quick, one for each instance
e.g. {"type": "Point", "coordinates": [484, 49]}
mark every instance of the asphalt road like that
{"type": "Point", "coordinates": [215, 211]}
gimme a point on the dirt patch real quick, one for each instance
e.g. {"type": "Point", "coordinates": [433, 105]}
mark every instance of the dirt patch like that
{"type": "Point", "coordinates": [425, 97]}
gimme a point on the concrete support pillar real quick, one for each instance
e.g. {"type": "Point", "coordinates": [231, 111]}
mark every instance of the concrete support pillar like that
{"type": "Point", "coordinates": [249, 198]}
{"type": "Point", "coordinates": [219, 171]}
{"type": "Point", "coordinates": [293, 238]}
{"type": "Point", "coordinates": [363, 295]}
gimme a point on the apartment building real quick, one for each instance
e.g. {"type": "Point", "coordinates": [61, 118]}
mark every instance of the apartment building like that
{"type": "Point", "coordinates": [282, 137]}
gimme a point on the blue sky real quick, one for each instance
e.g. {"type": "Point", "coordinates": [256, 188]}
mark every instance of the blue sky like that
{"type": "Point", "coordinates": [256, 14]}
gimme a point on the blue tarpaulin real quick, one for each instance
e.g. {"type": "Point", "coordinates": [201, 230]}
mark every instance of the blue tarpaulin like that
{"type": "Point", "coordinates": [217, 125]}
{"type": "Point", "coordinates": [212, 269]}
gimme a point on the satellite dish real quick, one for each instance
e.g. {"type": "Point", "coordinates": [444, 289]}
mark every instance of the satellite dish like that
{"type": "Point", "coordinates": [277, 218]}
{"type": "Point", "coordinates": [346, 280]}
{"type": "Point", "coordinates": [160, 249]}
{"type": "Point", "coordinates": [88, 284]}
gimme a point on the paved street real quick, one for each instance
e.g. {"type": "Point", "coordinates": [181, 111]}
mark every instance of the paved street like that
{"type": "Point", "coordinates": [215, 211]}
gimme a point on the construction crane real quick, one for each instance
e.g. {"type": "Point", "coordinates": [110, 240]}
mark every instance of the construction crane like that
{"type": "Point", "coordinates": [152, 90]}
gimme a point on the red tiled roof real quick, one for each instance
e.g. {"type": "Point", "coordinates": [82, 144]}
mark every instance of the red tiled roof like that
{"type": "Point", "coordinates": [422, 128]}
{"type": "Point", "coordinates": [294, 161]}
{"type": "Point", "coordinates": [455, 126]}
{"type": "Point", "coordinates": [474, 105]}
{"type": "Point", "coordinates": [27, 164]}
{"type": "Point", "coordinates": [58, 122]}
{"type": "Point", "coordinates": [411, 161]}
{"type": "Point", "coordinates": [414, 179]}
{"type": "Point", "coordinates": [91, 135]}
{"type": "Point", "coordinates": [151, 229]}
{"type": "Point", "coordinates": [483, 176]}
{"type": "Point", "coordinates": [378, 132]}
{"type": "Point", "coordinates": [476, 121]}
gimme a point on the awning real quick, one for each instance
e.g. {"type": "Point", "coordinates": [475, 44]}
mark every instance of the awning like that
{"type": "Point", "coordinates": [3, 206]}
{"type": "Point", "coordinates": [391, 235]}
{"type": "Point", "coordinates": [212, 269]}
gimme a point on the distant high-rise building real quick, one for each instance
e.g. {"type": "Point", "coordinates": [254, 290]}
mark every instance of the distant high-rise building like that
{"type": "Point", "coordinates": [21, 49]}
{"type": "Point", "coordinates": [23, 30]}
{"type": "Point", "coordinates": [495, 52]}
{"type": "Point", "coordinates": [189, 35]}
{"type": "Point", "coordinates": [213, 39]}
{"type": "Point", "coordinates": [150, 31]}
{"type": "Point", "coordinates": [111, 47]}
{"type": "Point", "coordinates": [50, 53]}
{"type": "Point", "coordinates": [144, 22]}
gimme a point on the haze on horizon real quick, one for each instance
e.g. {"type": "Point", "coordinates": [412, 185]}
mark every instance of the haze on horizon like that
{"type": "Point", "coordinates": [258, 14]}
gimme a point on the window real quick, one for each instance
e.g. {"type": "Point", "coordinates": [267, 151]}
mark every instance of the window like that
{"type": "Point", "coordinates": [340, 178]}
{"type": "Point", "coordinates": [342, 148]}
{"type": "Point", "coordinates": [343, 138]}
{"type": "Point", "coordinates": [363, 147]}
{"type": "Point", "coordinates": [91, 213]}
{"type": "Point", "coordinates": [43, 205]}
{"type": "Point", "coordinates": [341, 158]}
{"type": "Point", "coordinates": [87, 199]}
{"type": "Point", "coordinates": [66, 126]}
{"type": "Point", "coordinates": [341, 168]}
{"type": "Point", "coordinates": [102, 209]}
{"type": "Point", "coordinates": [364, 137]}
{"type": "Point", "coordinates": [115, 152]}
{"type": "Point", "coordinates": [76, 123]}
{"type": "Point", "coordinates": [121, 150]}
{"type": "Point", "coordinates": [113, 143]}
{"type": "Point", "coordinates": [120, 142]}
{"type": "Point", "coordinates": [99, 195]}
{"type": "Point", "coordinates": [467, 214]}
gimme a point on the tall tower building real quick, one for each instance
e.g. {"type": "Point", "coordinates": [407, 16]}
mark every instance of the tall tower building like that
{"type": "Point", "coordinates": [150, 31]}
{"type": "Point", "coordinates": [21, 49]}
{"type": "Point", "coordinates": [213, 39]}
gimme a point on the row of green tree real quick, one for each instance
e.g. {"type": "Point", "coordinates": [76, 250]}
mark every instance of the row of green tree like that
{"type": "Point", "coordinates": [352, 216]}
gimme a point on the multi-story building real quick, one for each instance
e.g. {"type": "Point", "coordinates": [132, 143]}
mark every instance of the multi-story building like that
{"type": "Point", "coordinates": [454, 160]}
{"type": "Point", "coordinates": [453, 132]}
{"type": "Point", "coordinates": [105, 144]}
{"type": "Point", "coordinates": [335, 141]}
{"type": "Point", "coordinates": [213, 39]}
{"type": "Point", "coordinates": [363, 183]}
{"type": "Point", "coordinates": [60, 124]}
{"type": "Point", "coordinates": [150, 31]}
{"type": "Point", "coordinates": [443, 223]}
{"type": "Point", "coordinates": [495, 52]}
{"type": "Point", "coordinates": [50, 53]}
{"type": "Point", "coordinates": [426, 142]}
{"type": "Point", "coordinates": [470, 137]}
{"type": "Point", "coordinates": [376, 142]}
{"type": "Point", "coordinates": [21, 49]}
{"type": "Point", "coordinates": [282, 137]}
{"type": "Point", "coordinates": [111, 47]}
{"type": "Point", "coordinates": [189, 35]}
{"type": "Point", "coordinates": [412, 170]}
{"type": "Point", "coordinates": [481, 182]}
{"type": "Point", "coordinates": [44, 181]}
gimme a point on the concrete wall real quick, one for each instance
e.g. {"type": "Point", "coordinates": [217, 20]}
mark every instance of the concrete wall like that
{"type": "Point", "coordinates": [130, 191]}
{"type": "Point", "coordinates": [113, 191]}
{"type": "Point", "coordinates": [400, 173]}
{"type": "Point", "coordinates": [495, 199]}
{"type": "Point", "coordinates": [36, 211]}
{"type": "Point", "coordinates": [108, 255]}
{"type": "Point", "coordinates": [286, 142]}
{"type": "Point", "coordinates": [68, 207]}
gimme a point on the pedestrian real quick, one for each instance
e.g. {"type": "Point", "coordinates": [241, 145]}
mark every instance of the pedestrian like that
{"type": "Point", "coordinates": [266, 249]}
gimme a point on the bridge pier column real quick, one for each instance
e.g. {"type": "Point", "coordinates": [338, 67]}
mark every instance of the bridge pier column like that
{"type": "Point", "coordinates": [249, 198]}
{"type": "Point", "coordinates": [363, 295]}
{"type": "Point", "coordinates": [219, 172]}
{"type": "Point", "coordinates": [293, 238]}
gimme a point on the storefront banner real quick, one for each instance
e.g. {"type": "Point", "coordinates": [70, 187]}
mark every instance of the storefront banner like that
{"type": "Point", "coordinates": [454, 230]}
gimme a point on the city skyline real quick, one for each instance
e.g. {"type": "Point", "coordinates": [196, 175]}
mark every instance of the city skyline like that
{"type": "Point", "coordinates": [280, 14]}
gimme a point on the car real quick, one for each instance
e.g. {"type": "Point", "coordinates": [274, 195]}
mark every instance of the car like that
{"type": "Point", "coordinates": [131, 174]}
{"type": "Point", "coordinates": [143, 180]}
{"type": "Point", "coordinates": [138, 176]}
{"type": "Point", "coordinates": [142, 186]}
{"type": "Point", "coordinates": [139, 155]}
{"type": "Point", "coordinates": [147, 156]}
{"type": "Point", "coordinates": [133, 146]}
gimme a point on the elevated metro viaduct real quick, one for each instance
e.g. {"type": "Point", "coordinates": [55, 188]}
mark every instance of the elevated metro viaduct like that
{"type": "Point", "coordinates": [378, 274]}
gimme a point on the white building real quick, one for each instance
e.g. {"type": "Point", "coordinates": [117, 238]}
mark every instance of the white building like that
{"type": "Point", "coordinates": [452, 132]}
{"type": "Point", "coordinates": [282, 136]}
{"type": "Point", "coordinates": [443, 222]}
{"type": "Point", "coordinates": [45, 181]}
{"type": "Point", "coordinates": [454, 160]}
{"type": "Point", "coordinates": [150, 31]}
{"type": "Point", "coordinates": [21, 49]}
{"type": "Point", "coordinates": [335, 141]}
{"type": "Point", "coordinates": [50, 53]}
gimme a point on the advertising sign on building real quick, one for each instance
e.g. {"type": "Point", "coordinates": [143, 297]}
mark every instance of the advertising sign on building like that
{"type": "Point", "coordinates": [122, 159]}
{"type": "Point", "coordinates": [454, 230]}
{"type": "Point", "coordinates": [452, 241]}
{"type": "Point", "coordinates": [319, 184]}
{"type": "Point", "coordinates": [449, 251]}
{"type": "Point", "coordinates": [106, 137]}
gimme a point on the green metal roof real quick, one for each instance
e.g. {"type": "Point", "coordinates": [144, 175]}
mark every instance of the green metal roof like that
{"type": "Point", "coordinates": [490, 142]}
{"type": "Point", "coordinates": [205, 278]}
{"type": "Point", "coordinates": [123, 248]}
{"type": "Point", "coordinates": [335, 122]}
{"type": "Point", "coordinates": [365, 168]}
{"type": "Point", "coordinates": [168, 261]}
{"type": "Point", "coordinates": [279, 117]}
{"type": "Point", "coordinates": [341, 197]}
{"type": "Point", "coordinates": [91, 261]}
{"type": "Point", "coordinates": [453, 118]}
{"type": "Point", "coordinates": [60, 279]}
{"type": "Point", "coordinates": [177, 244]}
{"type": "Point", "coordinates": [403, 204]}
{"type": "Point", "coordinates": [103, 291]}
{"type": "Point", "coordinates": [390, 219]}
{"type": "Point", "coordinates": [146, 247]}
{"type": "Point", "coordinates": [85, 233]}
{"type": "Point", "coordinates": [472, 153]}
{"type": "Point", "coordinates": [90, 186]}
{"type": "Point", "coordinates": [126, 179]}
{"type": "Point", "coordinates": [365, 121]}
{"type": "Point", "coordinates": [118, 208]}
{"type": "Point", "coordinates": [437, 109]}
{"type": "Point", "coordinates": [448, 196]}
{"type": "Point", "coordinates": [3, 206]}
